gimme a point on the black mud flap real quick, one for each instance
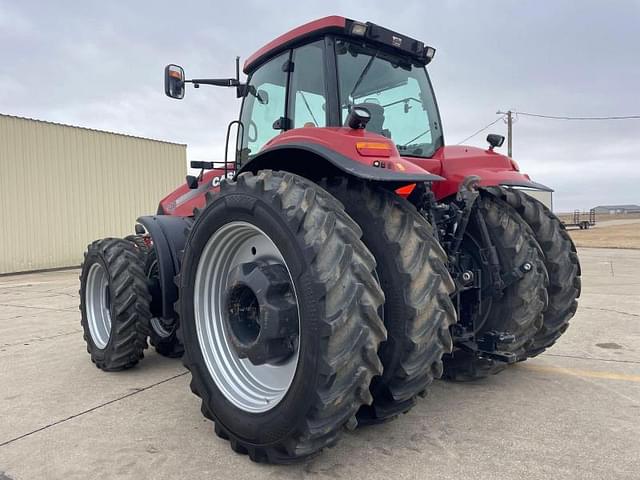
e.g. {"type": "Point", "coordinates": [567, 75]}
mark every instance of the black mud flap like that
{"type": "Point", "coordinates": [169, 235]}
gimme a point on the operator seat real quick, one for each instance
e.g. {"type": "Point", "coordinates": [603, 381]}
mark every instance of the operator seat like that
{"type": "Point", "coordinates": [376, 124]}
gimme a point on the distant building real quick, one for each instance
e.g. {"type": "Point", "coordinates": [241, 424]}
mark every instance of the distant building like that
{"type": "Point", "coordinates": [614, 209]}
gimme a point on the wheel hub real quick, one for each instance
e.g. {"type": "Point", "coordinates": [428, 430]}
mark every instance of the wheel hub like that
{"type": "Point", "coordinates": [232, 323]}
{"type": "Point", "coordinates": [262, 316]}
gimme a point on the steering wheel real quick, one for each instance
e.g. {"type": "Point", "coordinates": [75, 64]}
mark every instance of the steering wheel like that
{"type": "Point", "coordinates": [254, 137]}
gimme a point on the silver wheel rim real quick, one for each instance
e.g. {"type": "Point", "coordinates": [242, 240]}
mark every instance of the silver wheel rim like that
{"type": "Point", "coordinates": [252, 388]}
{"type": "Point", "coordinates": [98, 301]}
{"type": "Point", "coordinates": [159, 328]}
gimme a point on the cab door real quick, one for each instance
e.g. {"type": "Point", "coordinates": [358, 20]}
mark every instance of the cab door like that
{"type": "Point", "coordinates": [263, 114]}
{"type": "Point", "coordinates": [307, 87]}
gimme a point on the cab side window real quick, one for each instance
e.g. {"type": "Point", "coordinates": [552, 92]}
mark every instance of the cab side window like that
{"type": "Point", "coordinates": [307, 99]}
{"type": "Point", "coordinates": [264, 105]}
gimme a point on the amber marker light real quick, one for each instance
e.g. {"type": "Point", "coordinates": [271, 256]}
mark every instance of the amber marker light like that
{"type": "Point", "coordinates": [373, 149]}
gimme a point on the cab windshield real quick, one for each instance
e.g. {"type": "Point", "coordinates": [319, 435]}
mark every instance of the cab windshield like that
{"type": "Point", "coordinates": [396, 92]}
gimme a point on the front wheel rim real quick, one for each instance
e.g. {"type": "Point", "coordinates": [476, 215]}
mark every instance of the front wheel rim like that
{"type": "Point", "coordinates": [98, 304]}
{"type": "Point", "coordinates": [160, 329]}
{"type": "Point", "coordinates": [252, 388]}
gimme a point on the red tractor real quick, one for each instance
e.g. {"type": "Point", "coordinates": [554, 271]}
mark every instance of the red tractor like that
{"type": "Point", "coordinates": [342, 260]}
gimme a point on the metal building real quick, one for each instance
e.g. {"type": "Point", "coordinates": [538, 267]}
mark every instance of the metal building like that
{"type": "Point", "coordinates": [63, 186]}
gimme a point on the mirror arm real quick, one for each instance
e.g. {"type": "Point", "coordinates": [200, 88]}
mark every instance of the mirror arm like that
{"type": "Point", "coordinates": [218, 82]}
{"type": "Point", "coordinates": [223, 82]}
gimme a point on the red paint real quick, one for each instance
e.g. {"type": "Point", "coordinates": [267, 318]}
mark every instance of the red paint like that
{"type": "Point", "coordinates": [344, 140]}
{"type": "Point", "coordinates": [457, 162]}
{"type": "Point", "coordinates": [303, 30]}
{"type": "Point", "coordinates": [183, 200]}
{"type": "Point", "coordinates": [452, 162]}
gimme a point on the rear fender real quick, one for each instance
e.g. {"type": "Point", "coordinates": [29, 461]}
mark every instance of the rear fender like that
{"type": "Point", "coordinates": [319, 152]}
{"type": "Point", "coordinates": [488, 178]}
{"type": "Point", "coordinates": [169, 235]}
{"type": "Point", "coordinates": [494, 169]}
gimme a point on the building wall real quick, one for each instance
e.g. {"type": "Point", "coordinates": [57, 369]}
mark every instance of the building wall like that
{"type": "Point", "coordinates": [62, 187]}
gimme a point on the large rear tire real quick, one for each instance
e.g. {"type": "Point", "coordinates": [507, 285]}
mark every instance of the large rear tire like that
{"type": "Point", "coordinates": [561, 261]}
{"type": "Point", "coordinates": [411, 268]}
{"type": "Point", "coordinates": [288, 408]}
{"type": "Point", "coordinates": [519, 310]}
{"type": "Point", "coordinates": [114, 304]}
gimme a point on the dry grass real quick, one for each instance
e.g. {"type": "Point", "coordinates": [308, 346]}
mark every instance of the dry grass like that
{"type": "Point", "coordinates": [615, 236]}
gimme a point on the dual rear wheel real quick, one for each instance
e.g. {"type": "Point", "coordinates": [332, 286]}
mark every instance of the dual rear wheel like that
{"type": "Point", "coordinates": [514, 312]}
{"type": "Point", "coordinates": [302, 315]}
{"type": "Point", "coordinates": [535, 309]}
{"type": "Point", "coordinates": [279, 315]}
{"type": "Point", "coordinates": [282, 308]}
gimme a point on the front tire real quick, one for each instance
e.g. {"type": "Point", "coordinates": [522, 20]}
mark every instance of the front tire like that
{"type": "Point", "coordinates": [114, 304]}
{"type": "Point", "coordinates": [418, 311]}
{"type": "Point", "coordinates": [287, 224]}
{"type": "Point", "coordinates": [162, 332]}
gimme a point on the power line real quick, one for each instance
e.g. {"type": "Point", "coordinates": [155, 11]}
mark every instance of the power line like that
{"type": "Point", "coordinates": [552, 117]}
{"type": "Point", "coordinates": [555, 117]}
{"type": "Point", "coordinates": [479, 131]}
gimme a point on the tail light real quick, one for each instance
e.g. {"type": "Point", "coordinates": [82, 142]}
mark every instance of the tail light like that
{"type": "Point", "coordinates": [406, 190]}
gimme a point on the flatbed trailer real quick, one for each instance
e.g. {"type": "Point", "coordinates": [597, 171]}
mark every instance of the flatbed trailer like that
{"type": "Point", "coordinates": [580, 220]}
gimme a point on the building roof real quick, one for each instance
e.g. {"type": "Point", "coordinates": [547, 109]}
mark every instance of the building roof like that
{"type": "Point", "coordinates": [618, 207]}
{"type": "Point", "coordinates": [90, 129]}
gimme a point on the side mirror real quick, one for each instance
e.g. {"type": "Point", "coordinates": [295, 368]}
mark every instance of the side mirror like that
{"type": "Point", "coordinates": [495, 140]}
{"type": "Point", "coordinates": [174, 81]}
{"type": "Point", "coordinates": [192, 182]}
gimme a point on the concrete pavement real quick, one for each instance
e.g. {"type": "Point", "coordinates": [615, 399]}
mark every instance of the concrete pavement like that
{"type": "Point", "coordinates": [573, 412]}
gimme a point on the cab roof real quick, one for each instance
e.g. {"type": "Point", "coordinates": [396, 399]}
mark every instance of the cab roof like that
{"type": "Point", "coordinates": [336, 24]}
{"type": "Point", "coordinates": [298, 34]}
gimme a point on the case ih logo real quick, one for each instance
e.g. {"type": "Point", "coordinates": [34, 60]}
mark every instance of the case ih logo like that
{"type": "Point", "coordinates": [215, 181]}
{"type": "Point", "coordinates": [397, 41]}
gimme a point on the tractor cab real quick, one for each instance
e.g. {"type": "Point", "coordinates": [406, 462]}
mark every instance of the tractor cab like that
{"type": "Point", "coordinates": [331, 67]}
{"type": "Point", "coordinates": [336, 74]}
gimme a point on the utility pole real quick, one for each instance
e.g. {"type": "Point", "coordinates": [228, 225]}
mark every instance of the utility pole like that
{"type": "Point", "coordinates": [509, 134]}
{"type": "Point", "coordinates": [509, 115]}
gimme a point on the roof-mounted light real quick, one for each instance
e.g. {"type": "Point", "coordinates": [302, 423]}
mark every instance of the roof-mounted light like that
{"type": "Point", "coordinates": [359, 29]}
{"type": "Point", "coordinates": [429, 53]}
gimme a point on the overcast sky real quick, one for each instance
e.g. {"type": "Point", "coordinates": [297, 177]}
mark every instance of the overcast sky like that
{"type": "Point", "coordinates": [100, 65]}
